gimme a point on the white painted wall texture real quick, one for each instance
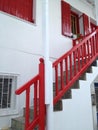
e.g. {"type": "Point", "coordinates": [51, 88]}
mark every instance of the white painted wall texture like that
{"type": "Point", "coordinates": [21, 44]}
{"type": "Point", "coordinates": [78, 112]}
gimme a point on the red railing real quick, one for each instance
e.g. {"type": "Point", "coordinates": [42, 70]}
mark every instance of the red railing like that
{"type": "Point", "coordinates": [39, 100]}
{"type": "Point", "coordinates": [71, 65]}
{"type": "Point", "coordinates": [67, 69]}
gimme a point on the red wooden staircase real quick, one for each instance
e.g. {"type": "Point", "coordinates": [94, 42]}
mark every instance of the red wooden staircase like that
{"type": "Point", "coordinates": [68, 68]}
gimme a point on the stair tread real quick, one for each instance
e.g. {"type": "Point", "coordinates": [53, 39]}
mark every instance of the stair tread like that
{"type": "Point", "coordinates": [20, 119]}
{"type": "Point", "coordinates": [19, 123]}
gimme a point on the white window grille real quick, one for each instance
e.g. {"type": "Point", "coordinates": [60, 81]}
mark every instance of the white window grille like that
{"type": "Point", "coordinates": [7, 90]}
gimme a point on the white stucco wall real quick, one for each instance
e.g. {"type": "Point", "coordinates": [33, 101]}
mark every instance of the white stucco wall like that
{"type": "Point", "coordinates": [83, 6]}
{"type": "Point", "coordinates": [78, 112]}
{"type": "Point", "coordinates": [21, 45]}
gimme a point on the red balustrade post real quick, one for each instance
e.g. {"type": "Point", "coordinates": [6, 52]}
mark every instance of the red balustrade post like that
{"type": "Point", "coordinates": [66, 69]}
{"type": "Point", "coordinates": [97, 42]}
{"type": "Point", "coordinates": [74, 43]}
{"type": "Point", "coordinates": [74, 58]}
{"type": "Point", "coordinates": [56, 79]}
{"type": "Point", "coordinates": [61, 71]}
{"type": "Point", "coordinates": [41, 96]}
{"type": "Point", "coordinates": [35, 100]}
{"type": "Point", "coordinates": [27, 108]}
{"type": "Point", "coordinates": [70, 60]}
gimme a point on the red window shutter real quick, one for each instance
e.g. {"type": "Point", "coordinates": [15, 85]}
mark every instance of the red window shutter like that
{"type": "Point", "coordinates": [66, 18]}
{"type": "Point", "coordinates": [20, 8]}
{"type": "Point", "coordinates": [13, 7]}
{"type": "Point", "coordinates": [86, 24]}
{"type": "Point", "coordinates": [25, 9]}
{"type": "Point", "coordinates": [93, 27]}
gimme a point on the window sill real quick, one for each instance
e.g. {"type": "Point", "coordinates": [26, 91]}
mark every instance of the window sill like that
{"type": "Point", "coordinates": [8, 112]}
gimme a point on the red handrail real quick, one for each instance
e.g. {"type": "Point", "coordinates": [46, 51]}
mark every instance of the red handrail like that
{"type": "Point", "coordinates": [74, 63]}
{"type": "Point", "coordinates": [39, 99]}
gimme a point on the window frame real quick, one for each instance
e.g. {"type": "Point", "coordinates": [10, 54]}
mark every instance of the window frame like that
{"type": "Point", "coordinates": [66, 20]}
{"type": "Point", "coordinates": [14, 103]}
{"type": "Point", "coordinates": [77, 22]}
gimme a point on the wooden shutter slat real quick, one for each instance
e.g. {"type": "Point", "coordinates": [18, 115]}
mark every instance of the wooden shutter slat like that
{"type": "Point", "coordinates": [66, 18]}
{"type": "Point", "coordinates": [20, 8]}
{"type": "Point", "coordinates": [86, 24]}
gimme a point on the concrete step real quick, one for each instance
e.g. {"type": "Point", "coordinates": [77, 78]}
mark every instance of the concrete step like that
{"type": "Point", "coordinates": [6, 128]}
{"type": "Point", "coordinates": [19, 124]}
{"type": "Point", "coordinates": [75, 85]}
{"type": "Point", "coordinates": [31, 112]}
{"type": "Point", "coordinates": [67, 95]}
{"type": "Point", "coordinates": [58, 106]}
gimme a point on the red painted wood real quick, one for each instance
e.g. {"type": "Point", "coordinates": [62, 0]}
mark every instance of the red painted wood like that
{"type": "Point", "coordinates": [39, 103]}
{"type": "Point", "coordinates": [35, 100]}
{"type": "Point", "coordinates": [93, 27]}
{"type": "Point", "coordinates": [19, 8]}
{"type": "Point", "coordinates": [66, 64]}
{"type": "Point", "coordinates": [61, 75]}
{"type": "Point", "coordinates": [70, 60]}
{"type": "Point", "coordinates": [56, 79]}
{"type": "Point", "coordinates": [78, 50]}
{"type": "Point", "coordinates": [41, 96]}
{"type": "Point", "coordinates": [66, 18]}
{"type": "Point", "coordinates": [84, 51]}
{"type": "Point", "coordinates": [86, 24]}
{"type": "Point", "coordinates": [74, 57]}
{"type": "Point", "coordinates": [27, 108]}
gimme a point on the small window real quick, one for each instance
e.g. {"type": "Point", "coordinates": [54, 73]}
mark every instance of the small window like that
{"type": "Point", "coordinates": [23, 9]}
{"type": "Point", "coordinates": [74, 23]}
{"type": "Point", "coordinates": [7, 85]}
{"type": "Point", "coordinates": [70, 20]}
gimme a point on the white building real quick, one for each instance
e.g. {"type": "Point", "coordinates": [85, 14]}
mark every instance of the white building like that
{"type": "Point", "coordinates": [21, 46]}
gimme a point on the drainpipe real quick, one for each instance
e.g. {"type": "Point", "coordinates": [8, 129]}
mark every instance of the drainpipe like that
{"type": "Point", "coordinates": [96, 10]}
{"type": "Point", "coordinates": [48, 66]}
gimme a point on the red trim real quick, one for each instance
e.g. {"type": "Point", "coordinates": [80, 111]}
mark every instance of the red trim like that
{"type": "Point", "coordinates": [86, 24]}
{"type": "Point", "coordinates": [93, 27]}
{"type": "Point", "coordinates": [79, 58]}
{"type": "Point", "coordinates": [39, 103]}
{"type": "Point", "coordinates": [66, 18]}
{"type": "Point", "coordinates": [19, 8]}
{"type": "Point", "coordinates": [87, 51]}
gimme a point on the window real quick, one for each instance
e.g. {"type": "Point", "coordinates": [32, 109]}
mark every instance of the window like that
{"type": "Point", "coordinates": [74, 23]}
{"type": "Point", "coordinates": [71, 22]}
{"type": "Point", "coordinates": [7, 88]}
{"type": "Point", "coordinates": [20, 8]}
